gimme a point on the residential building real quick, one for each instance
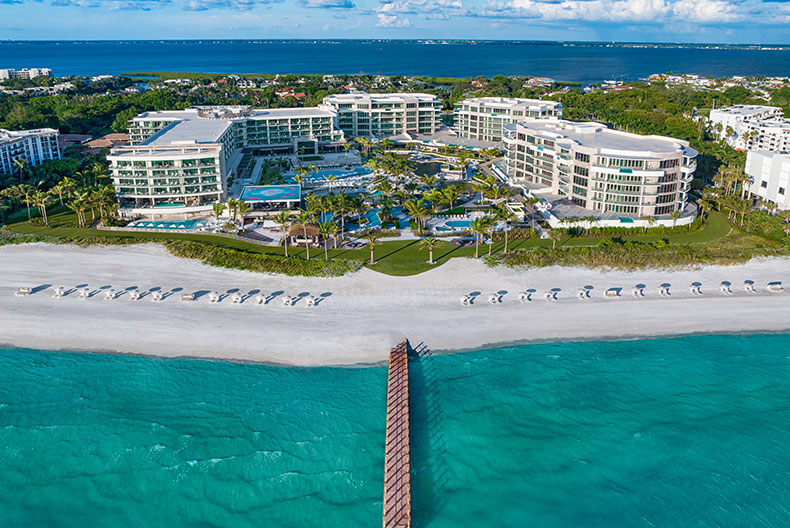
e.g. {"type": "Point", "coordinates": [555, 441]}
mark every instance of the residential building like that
{"type": "Point", "coordinates": [730, 123]}
{"type": "Point", "coordinates": [388, 114]}
{"type": "Point", "coordinates": [27, 73]}
{"type": "Point", "coordinates": [179, 161]}
{"type": "Point", "coordinates": [600, 169]}
{"type": "Point", "coordinates": [483, 118]}
{"type": "Point", "coordinates": [771, 134]}
{"type": "Point", "coordinates": [770, 174]}
{"type": "Point", "coordinates": [34, 146]}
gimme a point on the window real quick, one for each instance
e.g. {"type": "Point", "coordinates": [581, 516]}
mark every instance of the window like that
{"type": "Point", "coordinates": [764, 184]}
{"type": "Point", "coordinates": [781, 190]}
{"type": "Point", "coordinates": [583, 157]}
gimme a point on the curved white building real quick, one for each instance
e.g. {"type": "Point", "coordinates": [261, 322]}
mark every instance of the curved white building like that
{"type": "Point", "coordinates": [483, 118]}
{"type": "Point", "coordinates": [600, 169]}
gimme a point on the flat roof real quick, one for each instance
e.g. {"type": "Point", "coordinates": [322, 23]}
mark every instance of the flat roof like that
{"type": "Point", "coordinates": [745, 110]}
{"type": "Point", "coordinates": [190, 131]}
{"type": "Point", "coordinates": [508, 102]}
{"type": "Point", "coordinates": [381, 97]}
{"type": "Point", "coordinates": [596, 135]}
{"type": "Point", "coordinates": [271, 193]}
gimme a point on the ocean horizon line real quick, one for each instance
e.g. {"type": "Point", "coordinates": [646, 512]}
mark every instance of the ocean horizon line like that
{"type": "Point", "coordinates": [427, 40]}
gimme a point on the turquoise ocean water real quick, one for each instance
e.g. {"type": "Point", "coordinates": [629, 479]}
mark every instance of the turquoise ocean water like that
{"type": "Point", "coordinates": [667, 432]}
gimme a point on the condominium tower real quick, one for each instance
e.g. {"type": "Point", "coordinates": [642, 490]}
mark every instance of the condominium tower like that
{"type": "Point", "coordinates": [600, 169]}
{"type": "Point", "coordinates": [752, 127]}
{"type": "Point", "coordinates": [483, 118]}
{"type": "Point", "coordinates": [179, 161]}
{"type": "Point", "coordinates": [770, 174]}
{"type": "Point", "coordinates": [27, 73]}
{"type": "Point", "coordinates": [389, 114]}
{"type": "Point", "coordinates": [33, 146]}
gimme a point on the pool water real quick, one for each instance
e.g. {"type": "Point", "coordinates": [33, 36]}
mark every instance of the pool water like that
{"type": "Point", "coordinates": [175, 225]}
{"type": "Point", "coordinates": [323, 174]}
{"type": "Point", "coordinates": [459, 224]}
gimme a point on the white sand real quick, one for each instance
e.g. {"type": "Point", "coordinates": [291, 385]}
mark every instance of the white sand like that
{"type": "Point", "coordinates": [366, 312]}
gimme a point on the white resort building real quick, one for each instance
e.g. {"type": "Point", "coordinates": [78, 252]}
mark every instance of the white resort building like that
{"type": "Point", "coordinates": [179, 161]}
{"type": "Point", "coordinates": [483, 118]}
{"type": "Point", "coordinates": [609, 173]}
{"type": "Point", "coordinates": [26, 73]}
{"type": "Point", "coordinates": [752, 127]}
{"type": "Point", "coordinates": [770, 174]}
{"type": "Point", "coordinates": [388, 114]}
{"type": "Point", "coordinates": [34, 146]}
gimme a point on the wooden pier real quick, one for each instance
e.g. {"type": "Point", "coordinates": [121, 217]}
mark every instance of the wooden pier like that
{"type": "Point", "coordinates": [397, 467]}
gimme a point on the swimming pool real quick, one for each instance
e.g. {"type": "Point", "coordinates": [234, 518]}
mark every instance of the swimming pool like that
{"type": "Point", "coordinates": [162, 224]}
{"type": "Point", "coordinates": [324, 174]}
{"type": "Point", "coordinates": [458, 224]}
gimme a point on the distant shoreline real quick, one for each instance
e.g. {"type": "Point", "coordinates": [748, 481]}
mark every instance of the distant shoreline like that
{"type": "Point", "coordinates": [591, 43]}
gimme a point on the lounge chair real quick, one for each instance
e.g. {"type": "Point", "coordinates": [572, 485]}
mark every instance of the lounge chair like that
{"type": "Point", "coordinates": [109, 295]}
{"type": "Point", "coordinates": [695, 289]}
{"type": "Point", "coordinates": [748, 287]}
{"type": "Point", "coordinates": [288, 300]}
{"type": "Point", "coordinates": [134, 295]}
{"type": "Point", "coordinates": [638, 292]}
{"type": "Point", "coordinates": [775, 287]}
{"type": "Point", "coordinates": [187, 297]}
{"type": "Point", "coordinates": [213, 297]}
{"type": "Point", "coordinates": [236, 298]}
{"type": "Point", "coordinates": [467, 300]}
{"type": "Point", "coordinates": [524, 297]}
{"type": "Point", "coordinates": [612, 292]}
{"type": "Point", "coordinates": [582, 293]}
{"type": "Point", "coordinates": [157, 296]}
{"type": "Point", "coordinates": [311, 301]}
{"type": "Point", "coordinates": [662, 291]}
{"type": "Point", "coordinates": [494, 298]}
{"type": "Point", "coordinates": [260, 299]}
{"type": "Point", "coordinates": [59, 291]}
{"type": "Point", "coordinates": [85, 293]}
{"type": "Point", "coordinates": [725, 288]}
{"type": "Point", "coordinates": [550, 295]}
{"type": "Point", "coordinates": [21, 292]}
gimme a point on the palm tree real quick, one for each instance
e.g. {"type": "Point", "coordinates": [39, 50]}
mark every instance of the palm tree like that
{"type": "Point", "coordinates": [430, 243]}
{"type": "Point", "coordinates": [555, 235]}
{"type": "Point", "coordinates": [346, 146]}
{"type": "Point", "coordinates": [491, 221]}
{"type": "Point", "coordinates": [675, 215]}
{"type": "Point", "coordinates": [372, 237]}
{"type": "Point", "coordinates": [22, 192]}
{"type": "Point", "coordinates": [40, 199]}
{"type": "Point", "coordinates": [506, 216]}
{"type": "Point", "coordinates": [478, 227]}
{"type": "Point", "coordinates": [20, 165]}
{"type": "Point", "coordinates": [741, 207]}
{"type": "Point", "coordinates": [650, 221]}
{"type": "Point", "coordinates": [327, 229]}
{"type": "Point", "coordinates": [452, 193]}
{"type": "Point", "coordinates": [241, 208]}
{"type": "Point", "coordinates": [284, 219]}
{"type": "Point", "coordinates": [64, 187]}
{"type": "Point", "coordinates": [304, 218]}
{"type": "Point", "coordinates": [217, 209]}
{"type": "Point", "coordinates": [417, 209]}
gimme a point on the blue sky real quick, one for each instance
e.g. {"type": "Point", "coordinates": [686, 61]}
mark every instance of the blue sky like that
{"type": "Point", "coordinates": [753, 21]}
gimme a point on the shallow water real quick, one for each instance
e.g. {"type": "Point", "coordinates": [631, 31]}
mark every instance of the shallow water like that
{"type": "Point", "coordinates": [665, 432]}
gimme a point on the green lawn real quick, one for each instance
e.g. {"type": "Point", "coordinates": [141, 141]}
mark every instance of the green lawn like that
{"type": "Point", "coordinates": [400, 257]}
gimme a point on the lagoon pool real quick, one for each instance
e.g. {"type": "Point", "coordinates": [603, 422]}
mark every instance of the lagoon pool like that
{"type": "Point", "coordinates": [175, 224]}
{"type": "Point", "coordinates": [323, 174]}
{"type": "Point", "coordinates": [458, 224]}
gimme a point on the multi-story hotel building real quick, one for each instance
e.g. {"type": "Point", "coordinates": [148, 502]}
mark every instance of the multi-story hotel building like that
{"type": "Point", "coordinates": [603, 170]}
{"type": "Point", "coordinates": [750, 126]}
{"type": "Point", "coordinates": [27, 73]}
{"type": "Point", "coordinates": [179, 161]}
{"type": "Point", "coordinates": [770, 174]}
{"type": "Point", "coordinates": [34, 146]}
{"type": "Point", "coordinates": [483, 118]}
{"type": "Point", "coordinates": [389, 114]}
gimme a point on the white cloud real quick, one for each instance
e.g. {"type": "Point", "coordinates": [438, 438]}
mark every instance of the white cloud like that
{"type": "Point", "coordinates": [640, 11]}
{"type": "Point", "coordinates": [392, 21]}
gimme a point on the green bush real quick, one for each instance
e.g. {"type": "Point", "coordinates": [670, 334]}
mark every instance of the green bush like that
{"type": "Point", "coordinates": [236, 259]}
{"type": "Point", "coordinates": [111, 221]}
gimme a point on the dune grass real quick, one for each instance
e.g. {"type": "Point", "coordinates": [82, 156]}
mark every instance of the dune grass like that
{"type": "Point", "coordinates": [399, 258]}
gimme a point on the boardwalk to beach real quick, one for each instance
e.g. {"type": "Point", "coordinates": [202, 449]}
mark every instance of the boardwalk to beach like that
{"type": "Point", "coordinates": [397, 483]}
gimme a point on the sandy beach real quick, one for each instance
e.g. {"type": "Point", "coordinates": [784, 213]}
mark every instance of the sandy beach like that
{"type": "Point", "coordinates": [359, 316]}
